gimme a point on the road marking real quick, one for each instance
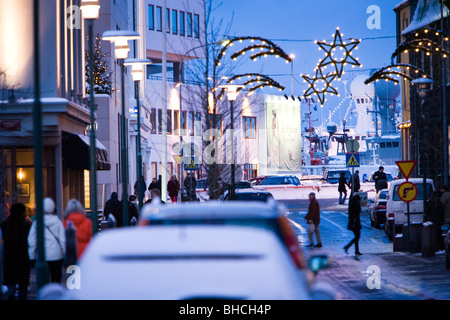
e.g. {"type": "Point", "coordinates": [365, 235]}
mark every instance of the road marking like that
{"type": "Point", "coordinates": [302, 230]}
{"type": "Point", "coordinates": [343, 229]}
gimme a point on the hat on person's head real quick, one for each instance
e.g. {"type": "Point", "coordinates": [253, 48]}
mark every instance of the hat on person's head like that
{"type": "Point", "coordinates": [357, 171]}
{"type": "Point", "coordinates": [49, 205]}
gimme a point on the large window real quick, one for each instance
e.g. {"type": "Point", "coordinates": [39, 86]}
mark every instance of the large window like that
{"type": "Point", "coordinates": [216, 121]}
{"type": "Point", "coordinates": [176, 122]}
{"type": "Point", "coordinates": [189, 24]}
{"type": "Point", "coordinates": [183, 123]}
{"type": "Point", "coordinates": [249, 127]}
{"type": "Point", "coordinates": [198, 124]}
{"type": "Point", "coordinates": [152, 121]}
{"type": "Point", "coordinates": [191, 123]}
{"type": "Point", "coordinates": [151, 17]}
{"type": "Point", "coordinates": [158, 19]}
{"type": "Point", "coordinates": [196, 26]}
{"type": "Point", "coordinates": [169, 121]}
{"type": "Point", "coordinates": [168, 20]}
{"type": "Point", "coordinates": [174, 22]}
{"type": "Point", "coordinates": [182, 23]}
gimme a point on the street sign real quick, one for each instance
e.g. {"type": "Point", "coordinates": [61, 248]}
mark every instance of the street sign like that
{"type": "Point", "coordinates": [352, 159]}
{"type": "Point", "coordinates": [406, 167]}
{"type": "Point", "coordinates": [407, 192]}
{"type": "Point", "coordinates": [177, 159]}
{"type": "Point", "coordinates": [191, 166]}
{"type": "Point", "coordinates": [352, 146]}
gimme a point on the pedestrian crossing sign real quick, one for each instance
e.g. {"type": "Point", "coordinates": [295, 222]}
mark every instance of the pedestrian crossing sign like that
{"type": "Point", "coordinates": [352, 159]}
{"type": "Point", "coordinates": [191, 166]}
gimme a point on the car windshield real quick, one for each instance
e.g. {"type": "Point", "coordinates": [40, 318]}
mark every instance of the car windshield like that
{"type": "Point", "coordinates": [419, 192]}
{"type": "Point", "coordinates": [273, 181]}
{"type": "Point", "coordinates": [252, 196]}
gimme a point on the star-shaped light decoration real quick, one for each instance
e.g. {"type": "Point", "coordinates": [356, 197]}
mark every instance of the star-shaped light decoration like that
{"type": "Point", "coordinates": [346, 57]}
{"type": "Point", "coordinates": [320, 85]}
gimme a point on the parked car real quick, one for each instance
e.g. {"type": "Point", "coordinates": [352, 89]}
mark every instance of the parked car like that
{"type": "Point", "coordinates": [249, 195]}
{"type": "Point", "coordinates": [377, 210]}
{"type": "Point", "coordinates": [280, 180]}
{"type": "Point", "coordinates": [396, 209]}
{"type": "Point", "coordinates": [332, 176]}
{"type": "Point", "coordinates": [257, 180]}
{"type": "Point", "coordinates": [243, 185]}
{"type": "Point", "coordinates": [192, 262]}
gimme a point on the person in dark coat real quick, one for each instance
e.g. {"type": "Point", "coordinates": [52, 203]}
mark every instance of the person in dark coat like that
{"type": "Point", "coordinates": [355, 184]}
{"type": "Point", "coordinates": [354, 223]}
{"type": "Point", "coordinates": [114, 207]}
{"type": "Point", "coordinates": [16, 263]}
{"type": "Point", "coordinates": [173, 186]}
{"type": "Point", "coordinates": [313, 220]}
{"type": "Point", "coordinates": [158, 183]}
{"type": "Point", "coordinates": [190, 184]}
{"type": "Point", "coordinates": [152, 185]}
{"type": "Point", "coordinates": [380, 179]}
{"type": "Point", "coordinates": [342, 189]}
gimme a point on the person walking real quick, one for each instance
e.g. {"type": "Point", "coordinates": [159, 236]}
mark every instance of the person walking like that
{"type": "Point", "coordinates": [342, 188]}
{"type": "Point", "coordinates": [16, 263]}
{"type": "Point", "coordinates": [355, 184]}
{"type": "Point", "coordinates": [112, 206]}
{"type": "Point", "coordinates": [55, 241]}
{"type": "Point", "coordinates": [173, 186]}
{"type": "Point", "coordinates": [380, 179]}
{"type": "Point", "coordinates": [76, 215]}
{"type": "Point", "coordinates": [354, 224]}
{"type": "Point", "coordinates": [152, 184]}
{"type": "Point", "coordinates": [190, 185]}
{"type": "Point", "coordinates": [313, 220]}
{"type": "Point", "coordinates": [445, 199]}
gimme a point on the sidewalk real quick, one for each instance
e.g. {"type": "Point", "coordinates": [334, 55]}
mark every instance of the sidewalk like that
{"type": "Point", "coordinates": [404, 276]}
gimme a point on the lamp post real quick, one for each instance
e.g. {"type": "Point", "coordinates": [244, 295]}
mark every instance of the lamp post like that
{"type": "Point", "coordinates": [138, 75]}
{"type": "Point", "coordinates": [232, 92]}
{"type": "Point", "coordinates": [423, 85]}
{"type": "Point", "coordinates": [292, 56]}
{"type": "Point", "coordinates": [90, 10]}
{"type": "Point", "coordinates": [120, 39]}
{"type": "Point", "coordinates": [444, 103]}
{"type": "Point", "coordinates": [41, 265]}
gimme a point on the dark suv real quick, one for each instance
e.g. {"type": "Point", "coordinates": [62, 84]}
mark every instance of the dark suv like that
{"type": "Point", "coordinates": [332, 176]}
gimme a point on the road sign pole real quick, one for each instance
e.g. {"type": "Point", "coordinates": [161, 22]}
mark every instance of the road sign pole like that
{"type": "Point", "coordinates": [409, 227]}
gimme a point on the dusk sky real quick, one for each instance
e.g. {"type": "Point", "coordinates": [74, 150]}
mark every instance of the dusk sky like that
{"type": "Point", "coordinates": [295, 24]}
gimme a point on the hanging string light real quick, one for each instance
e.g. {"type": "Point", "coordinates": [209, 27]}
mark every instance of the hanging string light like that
{"type": "Point", "coordinates": [346, 58]}
{"type": "Point", "coordinates": [386, 73]}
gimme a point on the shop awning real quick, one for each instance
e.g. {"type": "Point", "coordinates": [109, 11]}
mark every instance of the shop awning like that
{"type": "Point", "coordinates": [75, 152]}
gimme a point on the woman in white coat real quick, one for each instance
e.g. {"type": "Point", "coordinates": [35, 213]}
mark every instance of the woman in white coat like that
{"type": "Point", "coordinates": [55, 241]}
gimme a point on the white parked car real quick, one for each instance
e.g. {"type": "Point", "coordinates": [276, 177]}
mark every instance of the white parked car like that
{"type": "Point", "coordinates": [396, 209]}
{"type": "Point", "coordinates": [189, 262]}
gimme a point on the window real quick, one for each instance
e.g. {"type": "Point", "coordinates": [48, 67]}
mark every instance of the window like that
{"type": "Point", "coordinates": [382, 145]}
{"type": "Point", "coordinates": [388, 144]}
{"type": "Point", "coordinates": [158, 19]}
{"type": "Point", "coordinates": [395, 144]}
{"type": "Point", "coordinates": [183, 123]}
{"type": "Point", "coordinates": [198, 124]}
{"type": "Point", "coordinates": [169, 121]}
{"type": "Point", "coordinates": [182, 23]}
{"type": "Point", "coordinates": [159, 121]}
{"type": "Point", "coordinates": [218, 122]}
{"type": "Point", "coordinates": [152, 121]}
{"type": "Point", "coordinates": [197, 26]}
{"type": "Point", "coordinates": [189, 24]}
{"type": "Point", "coordinates": [190, 127]}
{"type": "Point", "coordinates": [168, 20]}
{"type": "Point", "coordinates": [151, 17]}
{"type": "Point", "coordinates": [176, 122]}
{"type": "Point", "coordinates": [174, 22]}
{"type": "Point", "coordinates": [249, 127]}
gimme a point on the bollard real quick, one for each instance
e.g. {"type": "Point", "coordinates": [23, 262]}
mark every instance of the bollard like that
{"type": "Point", "coordinates": [429, 240]}
{"type": "Point", "coordinates": [415, 238]}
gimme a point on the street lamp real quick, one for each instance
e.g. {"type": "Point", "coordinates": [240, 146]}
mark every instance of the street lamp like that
{"type": "Point", "coordinates": [120, 39]}
{"type": "Point", "coordinates": [138, 75]}
{"type": "Point", "coordinates": [292, 56]}
{"type": "Point", "coordinates": [423, 87]}
{"type": "Point", "coordinates": [90, 11]}
{"type": "Point", "coordinates": [232, 92]}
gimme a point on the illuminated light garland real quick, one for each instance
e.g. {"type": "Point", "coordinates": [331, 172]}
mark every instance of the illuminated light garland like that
{"type": "Point", "coordinates": [320, 92]}
{"type": "Point", "coordinates": [385, 73]}
{"type": "Point", "coordinates": [267, 48]}
{"type": "Point", "coordinates": [338, 43]}
{"type": "Point", "coordinates": [260, 80]}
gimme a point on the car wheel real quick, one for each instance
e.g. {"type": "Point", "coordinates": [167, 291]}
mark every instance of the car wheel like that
{"type": "Point", "coordinates": [388, 231]}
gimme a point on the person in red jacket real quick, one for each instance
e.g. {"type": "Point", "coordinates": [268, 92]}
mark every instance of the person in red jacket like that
{"type": "Point", "coordinates": [76, 214]}
{"type": "Point", "coordinates": [313, 220]}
